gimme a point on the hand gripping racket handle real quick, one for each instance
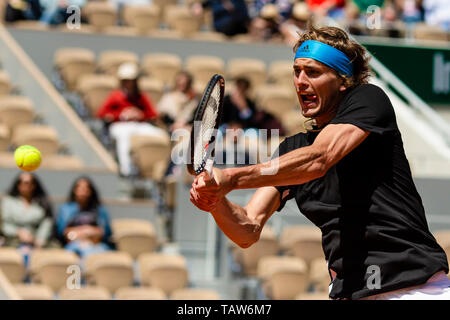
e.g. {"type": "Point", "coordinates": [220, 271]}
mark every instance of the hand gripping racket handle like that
{"type": "Point", "coordinates": [209, 167]}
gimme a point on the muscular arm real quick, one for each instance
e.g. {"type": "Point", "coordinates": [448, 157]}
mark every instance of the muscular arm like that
{"type": "Point", "coordinates": [243, 225]}
{"type": "Point", "coordinates": [301, 165]}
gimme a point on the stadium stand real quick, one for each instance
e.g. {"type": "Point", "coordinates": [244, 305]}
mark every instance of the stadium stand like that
{"type": "Point", "coordinates": [140, 293]}
{"type": "Point", "coordinates": [84, 293]}
{"type": "Point", "coordinates": [194, 294]}
{"type": "Point", "coordinates": [11, 263]}
{"type": "Point", "coordinates": [28, 291]}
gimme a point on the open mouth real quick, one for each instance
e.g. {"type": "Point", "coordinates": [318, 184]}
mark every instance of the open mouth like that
{"type": "Point", "coordinates": [308, 99]}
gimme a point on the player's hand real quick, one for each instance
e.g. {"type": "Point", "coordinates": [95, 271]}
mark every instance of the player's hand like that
{"type": "Point", "coordinates": [207, 192]}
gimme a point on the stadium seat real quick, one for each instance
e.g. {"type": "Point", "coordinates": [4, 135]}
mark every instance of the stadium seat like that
{"type": "Point", "coordinates": [283, 277]}
{"type": "Point", "coordinates": [109, 61]}
{"type": "Point", "coordinates": [151, 155]}
{"type": "Point", "coordinates": [5, 83]}
{"type": "Point", "coordinates": [49, 267]}
{"type": "Point", "coordinates": [72, 63]}
{"type": "Point", "coordinates": [4, 137]}
{"type": "Point", "coordinates": [181, 19]}
{"type": "Point", "coordinates": [16, 110]}
{"type": "Point", "coordinates": [29, 291]}
{"type": "Point", "coordinates": [203, 67]}
{"type": "Point", "coordinates": [194, 294]}
{"type": "Point", "coordinates": [134, 236]}
{"type": "Point", "coordinates": [111, 270]}
{"type": "Point", "coordinates": [140, 293]}
{"type": "Point", "coordinates": [312, 296]}
{"type": "Point", "coordinates": [100, 14]}
{"type": "Point", "coordinates": [303, 241]}
{"type": "Point", "coordinates": [292, 121]}
{"type": "Point", "coordinates": [95, 88]}
{"type": "Point", "coordinates": [167, 272]}
{"type": "Point", "coordinates": [275, 99]}
{"type": "Point", "coordinates": [443, 238]}
{"type": "Point", "coordinates": [208, 36]}
{"type": "Point", "coordinates": [153, 87]}
{"type": "Point", "coordinates": [163, 66]}
{"type": "Point", "coordinates": [145, 19]}
{"type": "Point", "coordinates": [281, 72]}
{"type": "Point", "coordinates": [11, 263]}
{"type": "Point", "coordinates": [162, 4]}
{"type": "Point", "coordinates": [248, 258]}
{"type": "Point", "coordinates": [62, 162]}
{"type": "Point", "coordinates": [43, 137]}
{"type": "Point", "coordinates": [425, 31]}
{"type": "Point", "coordinates": [254, 70]}
{"type": "Point", "coordinates": [84, 293]}
{"type": "Point", "coordinates": [319, 277]}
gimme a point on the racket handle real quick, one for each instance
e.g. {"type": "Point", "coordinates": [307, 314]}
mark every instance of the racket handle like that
{"type": "Point", "coordinates": [209, 167]}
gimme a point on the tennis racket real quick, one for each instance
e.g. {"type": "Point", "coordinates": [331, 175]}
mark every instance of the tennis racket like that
{"type": "Point", "coordinates": [206, 122]}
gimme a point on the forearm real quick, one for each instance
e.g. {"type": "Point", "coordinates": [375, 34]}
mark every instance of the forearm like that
{"type": "Point", "coordinates": [233, 220]}
{"type": "Point", "coordinates": [296, 167]}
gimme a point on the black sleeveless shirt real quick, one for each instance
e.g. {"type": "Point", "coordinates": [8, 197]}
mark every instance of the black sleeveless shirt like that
{"type": "Point", "coordinates": [367, 206]}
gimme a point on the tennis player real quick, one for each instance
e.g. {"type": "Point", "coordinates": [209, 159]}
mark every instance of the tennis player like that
{"type": "Point", "coordinates": [349, 176]}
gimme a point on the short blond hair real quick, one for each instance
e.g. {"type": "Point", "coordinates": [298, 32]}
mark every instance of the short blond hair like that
{"type": "Point", "coordinates": [339, 39]}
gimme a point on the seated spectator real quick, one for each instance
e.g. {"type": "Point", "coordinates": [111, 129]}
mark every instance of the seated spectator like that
{"type": "Point", "coordinates": [284, 7]}
{"type": "Point", "coordinates": [297, 23]}
{"type": "Point", "coordinates": [55, 11]}
{"type": "Point", "coordinates": [265, 27]}
{"type": "Point", "coordinates": [238, 109]}
{"type": "Point", "coordinates": [334, 9]}
{"type": "Point", "coordinates": [83, 223]}
{"type": "Point", "coordinates": [177, 107]}
{"type": "Point", "coordinates": [128, 111]}
{"type": "Point", "coordinates": [22, 10]}
{"type": "Point", "coordinates": [120, 4]}
{"type": "Point", "coordinates": [437, 12]}
{"type": "Point", "coordinates": [27, 220]}
{"type": "Point", "coordinates": [230, 17]}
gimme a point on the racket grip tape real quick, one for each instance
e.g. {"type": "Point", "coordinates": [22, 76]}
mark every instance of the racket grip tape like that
{"type": "Point", "coordinates": [209, 167]}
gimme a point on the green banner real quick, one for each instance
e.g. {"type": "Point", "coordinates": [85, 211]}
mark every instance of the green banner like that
{"type": "Point", "coordinates": [425, 70]}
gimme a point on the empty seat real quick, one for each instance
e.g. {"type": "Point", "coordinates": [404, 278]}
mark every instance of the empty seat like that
{"type": "Point", "coordinates": [100, 14]}
{"type": "Point", "coordinates": [163, 66]}
{"type": "Point", "coordinates": [303, 241]}
{"type": "Point", "coordinates": [424, 31]}
{"type": "Point", "coordinates": [151, 155]}
{"type": "Point", "coordinates": [293, 121]}
{"type": "Point", "coordinates": [144, 18]}
{"type": "Point", "coordinates": [134, 236]}
{"type": "Point", "coordinates": [283, 277]}
{"type": "Point", "coordinates": [275, 99]}
{"type": "Point", "coordinates": [109, 61]}
{"type": "Point", "coordinates": [281, 72]}
{"type": "Point", "coordinates": [195, 294]}
{"type": "Point", "coordinates": [167, 272]}
{"type": "Point", "coordinates": [5, 83]}
{"type": "Point", "coordinates": [181, 19]}
{"type": "Point", "coordinates": [84, 293]}
{"type": "Point", "coordinates": [443, 239]}
{"type": "Point", "coordinates": [95, 88]}
{"type": "Point", "coordinates": [11, 263]}
{"type": "Point", "coordinates": [319, 277]}
{"type": "Point", "coordinates": [44, 138]}
{"type": "Point", "coordinates": [111, 270]}
{"type": "Point", "coordinates": [72, 63]}
{"type": "Point", "coordinates": [312, 296]}
{"type": "Point", "coordinates": [140, 293]}
{"type": "Point", "coordinates": [62, 162]}
{"type": "Point", "coordinates": [153, 87]}
{"type": "Point", "coordinates": [15, 110]}
{"type": "Point", "coordinates": [254, 70]}
{"type": "Point", "coordinates": [203, 67]}
{"type": "Point", "coordinates": [208, 36]}
{"type": "Point", "coordinates": [4, 137]}
{"type": "Point", "coordinates": [248, 258]}
{"type": "Point", "coordinates": [29, 291]}
{"type": "Point", "coordinates": [50, 266]}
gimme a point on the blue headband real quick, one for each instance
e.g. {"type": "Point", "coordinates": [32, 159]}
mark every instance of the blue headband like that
{"type": "Point", "coordinates": [326, 54]}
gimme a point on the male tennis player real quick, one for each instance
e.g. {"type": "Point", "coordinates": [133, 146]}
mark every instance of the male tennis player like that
{"type": "Point", "coordinates": [350, 177]}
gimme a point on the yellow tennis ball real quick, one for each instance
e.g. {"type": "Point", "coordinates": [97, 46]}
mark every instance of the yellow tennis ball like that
{"type": "Point", "coordinates": [28, 158]}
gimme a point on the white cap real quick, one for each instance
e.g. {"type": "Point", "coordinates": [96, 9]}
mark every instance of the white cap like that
{"type": "Point", "coordinates": [301, 11]}
{"type": "Point", "coordinates": [128, 71]}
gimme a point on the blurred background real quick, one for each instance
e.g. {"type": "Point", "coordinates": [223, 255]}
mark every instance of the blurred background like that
{"type": "Point", "coordinates": [101, 88]}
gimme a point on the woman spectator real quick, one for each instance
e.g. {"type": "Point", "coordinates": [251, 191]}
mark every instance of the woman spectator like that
{"type": "Point", "coordinates": [26, 214]}
{"type": "Point", "coordinates": [83, 223]}
{"type": "Point", "coordinates": [127, 112]}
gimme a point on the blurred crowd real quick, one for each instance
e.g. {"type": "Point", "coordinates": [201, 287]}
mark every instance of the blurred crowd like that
{"type": "Point", "coordinates": [269, 20]}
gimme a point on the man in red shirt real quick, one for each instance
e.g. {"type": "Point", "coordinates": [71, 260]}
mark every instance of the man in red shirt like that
{"type": "Point", "coordinates": [129, 112]}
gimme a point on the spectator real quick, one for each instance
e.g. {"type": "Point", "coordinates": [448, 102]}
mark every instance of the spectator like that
{"type": "Point", "coordinates": [55, 11]}
{"type": "Point", "coordinates": [22, 10]}
{"type": "Point", "coordinates": [239, 109]}
{"type": "Point", "coordinates": [26, 214]}
{"type": "Point", "coordinates": [437, 12]}
{"type": "Point", "coordinates": [177, 106]}
{"type": "Point", "coordinates": [284, 7]}
{"type": "Point", "coordinates": [327, 8]}
{"type": "Point", "coordinates": [265, 27]}
{"type": "Point", "coordinates": [127, 112]}
{"type": "Point", "coordinates": [83, 223]}
{"type": "Point", "coordinates": [230, 17]}
{"type": "Point", "coordinates": [297, 23]}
